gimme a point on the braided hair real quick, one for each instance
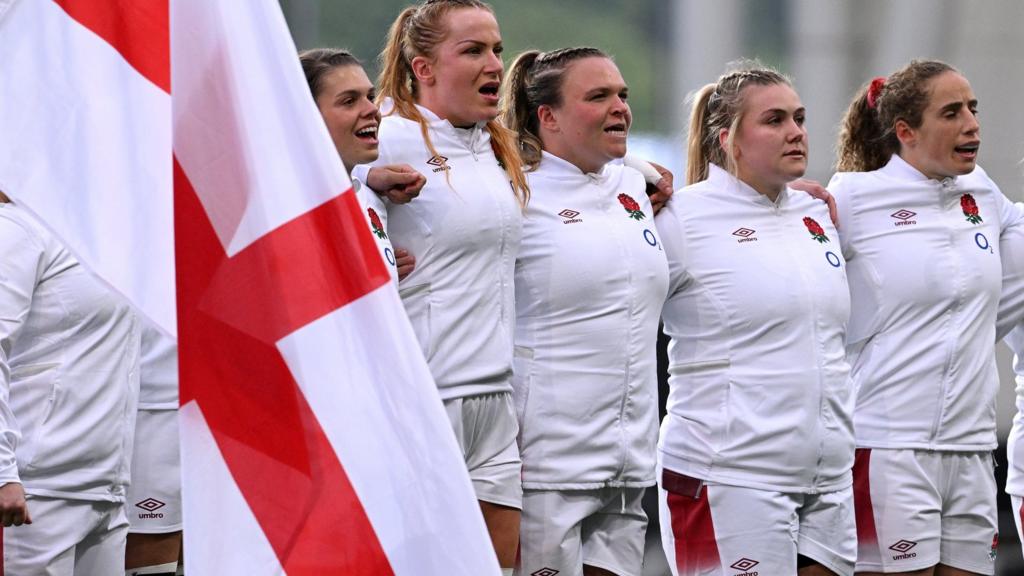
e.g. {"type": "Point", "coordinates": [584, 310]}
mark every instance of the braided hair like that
{"type": "Point", "coordinates": [719, 106]}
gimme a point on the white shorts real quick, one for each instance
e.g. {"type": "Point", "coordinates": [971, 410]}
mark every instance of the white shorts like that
{"type": "Point", "coordinates": [919, 508]}
{"type": "Point", "coordinates": [486, 428]}
{"type": "Point", "coordinates": [719, 530]}
{"type": "Point", "coordinates": [154, 496]}
{"type": "Point", "coordinates": [67, 538]}
{"type": "Point", "coordinates": [562, 530]}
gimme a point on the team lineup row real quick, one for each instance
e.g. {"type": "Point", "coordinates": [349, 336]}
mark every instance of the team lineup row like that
{"type": "Point", "coordinates": [832, 375]}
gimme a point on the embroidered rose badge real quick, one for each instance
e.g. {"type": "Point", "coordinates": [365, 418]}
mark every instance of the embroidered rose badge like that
{"type": "Point", "coordinates": [970, 208]}
{"type": "Point", "coordinates": [378, 228]}
{"type": "Point", "coordinates": [817, 232]}
{"type": "Point", "coordinates": [632, 208]}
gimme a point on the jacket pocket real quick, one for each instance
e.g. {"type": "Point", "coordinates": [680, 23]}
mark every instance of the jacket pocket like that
{"type": "Point", "coordinates": [522, 372]}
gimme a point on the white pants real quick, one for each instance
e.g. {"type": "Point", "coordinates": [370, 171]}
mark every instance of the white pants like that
{"type": "Point", "coordinates": [67, 538]}
{"type": "Point", "coordinates": [919, 508]}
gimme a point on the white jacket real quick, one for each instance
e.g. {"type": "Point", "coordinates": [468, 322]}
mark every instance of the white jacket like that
{"type": "Point", "coordinates": [69, 378]}
{"type": "Point", "coordinates": [464, 230]}
{"type": "Point", "coordinates": [590, 280]}
{"type": "Point", "coordinates": [1015, 444]}
{"type": "Point", "coordinates": [757, 309]}
{"type": "Point", "coordinates": [1011, 256]}
{"type": "Point", "coordinates": [925, 278]}
{"type": "Point", "coordinates": [375, 212]}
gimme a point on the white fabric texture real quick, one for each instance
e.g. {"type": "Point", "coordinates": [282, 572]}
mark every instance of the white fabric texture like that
{"type": "Point", "coordinates": [69, 369]}
{"type": "Point", "coordinates": [925, 279]}
{"type": "Point", "coordinates": [757, 310]}
{"type": "Point", "coordinates": [1015, 443]}
{"type": "Point", "coordinates": [590, 279]}
{"type": "Point", "coordinates": [464, 230]}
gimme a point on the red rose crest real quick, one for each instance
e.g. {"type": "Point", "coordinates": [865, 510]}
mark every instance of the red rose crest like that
{"type": "Point", "coordinates": [817, 232]}
{"type": "Point", "coordinates": [632, 208]}
{"type": "Point", "coordinates": [378, 228]}
{"type": "Point", "coordinates": [970, 208]}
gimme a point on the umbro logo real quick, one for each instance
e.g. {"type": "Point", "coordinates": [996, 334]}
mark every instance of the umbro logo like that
{"type": "Point", "coordinates": [744, 565]}
{"type": "Point", "coordinates": [570, 216]}
{"type": "Point", "coordinates": [441, 162]}
{"type": "Point", "coordinates": [745, 235]}
{"type": "Point", "coordinates": [150, 505]}
{"type": "Point", "coordinates": [545, 572]}
{"type": "Point", "coordinates": [903, 550]}
{"type": "Point", "coordinates": [904, 217]}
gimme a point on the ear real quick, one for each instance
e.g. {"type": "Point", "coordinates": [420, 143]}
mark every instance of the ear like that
{"type": "Point", "coordinates": [547, 119]}
{"type": "Point", "coordinates": [723, 140]}
{"type": "Point", "coordinates": [423, 69]}
{"type": "Point", "coordinates": [906, 135]}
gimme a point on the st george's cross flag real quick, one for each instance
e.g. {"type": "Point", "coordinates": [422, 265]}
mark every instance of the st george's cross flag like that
{"type": "Point", "coordinates": [175, 147]}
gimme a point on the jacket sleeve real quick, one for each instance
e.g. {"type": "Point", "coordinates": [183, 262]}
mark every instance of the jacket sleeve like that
{"type": "Point", "coordinates": [674, 240]}
{"type": "Point", "coordinates": [1011, 253]}
{"type": "Point", "coordinates": [839, 186]}
{"type": "Point", "coordinates": [20, 269]}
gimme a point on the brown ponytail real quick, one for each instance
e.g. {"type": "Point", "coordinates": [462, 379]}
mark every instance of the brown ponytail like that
{"type": "Point", "coordinates": [536, 80]}
{"type": "Point", "coordinates": [868, 139]}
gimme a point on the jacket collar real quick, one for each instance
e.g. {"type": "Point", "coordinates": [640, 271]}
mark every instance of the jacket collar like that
{"type": "Point", "coordinates": [720, 179]}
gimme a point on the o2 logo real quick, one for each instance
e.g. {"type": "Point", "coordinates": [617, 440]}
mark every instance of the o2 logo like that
{"type": "Point", "coordinates": [651, 239]}
{"type": "Point", "coordinates": [982, 242]}
{"type": "Point", "coordinates": [833, 259]}
{"type": "Point", "coordinates": [389, 256]}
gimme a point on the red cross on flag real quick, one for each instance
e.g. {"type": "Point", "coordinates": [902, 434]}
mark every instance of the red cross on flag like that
{"type": "Point", "coordinates": [175, 148]}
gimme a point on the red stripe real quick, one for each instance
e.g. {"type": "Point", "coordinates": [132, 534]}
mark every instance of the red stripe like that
{"type": "Point", "coordinates": [269, 437]}
{"type": "Point", "coordinates": [304, 267]}
{"type": "Point", "coordinates": [694, 532]}
{"type": "Point", "coordinates": [866, 533]}
{"type": "Point", "coordinates": [137, 29]}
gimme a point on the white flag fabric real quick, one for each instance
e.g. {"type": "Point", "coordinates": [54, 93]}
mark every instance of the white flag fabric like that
{"type": "Point", "coordinates": [313, 438]}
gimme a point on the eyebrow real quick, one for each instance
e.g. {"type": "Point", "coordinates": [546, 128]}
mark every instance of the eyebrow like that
{"type": "Point", "coordinates": [771, 111]}
{"type": "Point", "coordinates": [350, 92]}
{"type": "Point", "coordinates": [953, 106]}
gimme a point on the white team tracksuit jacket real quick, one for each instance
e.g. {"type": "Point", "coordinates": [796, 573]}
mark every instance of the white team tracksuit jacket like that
{"type": "Point", "coordinates": [925, 280]}
{"type": "Point", "coordinates": [590, 279]}
{"type": "Point", "coordinates": [757, 310]}
{"type": "Point", "coordinates": [464, 230]}
{"type": "Point", "coordinates": [69, 370]}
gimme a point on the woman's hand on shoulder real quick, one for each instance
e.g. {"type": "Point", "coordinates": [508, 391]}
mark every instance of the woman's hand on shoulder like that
{"type": "Point", "coordinates": [816, 190]}
{"type": "Point", "coordinates": [660, 192]}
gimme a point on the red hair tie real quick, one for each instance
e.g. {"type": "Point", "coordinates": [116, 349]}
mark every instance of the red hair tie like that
{"type": "Point", "coordinates": [874, 91]}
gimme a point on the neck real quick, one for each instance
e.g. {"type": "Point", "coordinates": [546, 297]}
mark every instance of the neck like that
{"type": "Point", "coordinates": [4, 199]}
{"type": "Point", "coordinates": [554, 147]}
{"type": "Point", "coordinates": [769, 190]}
{"type": "Point", "coordinates": [912, 161]}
